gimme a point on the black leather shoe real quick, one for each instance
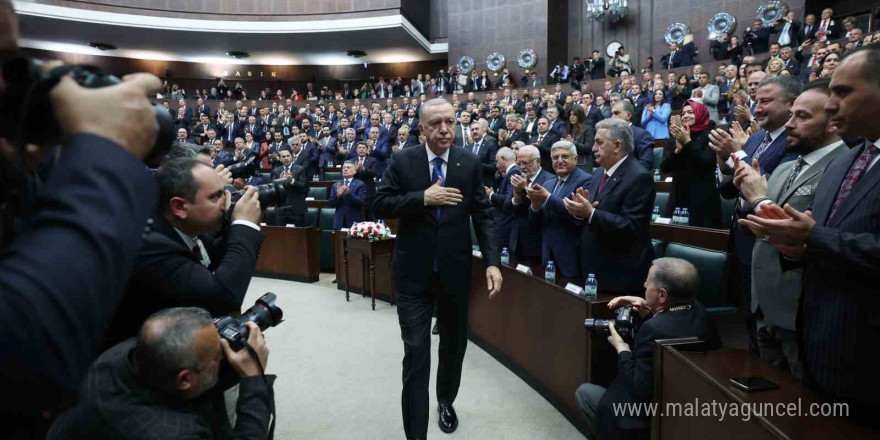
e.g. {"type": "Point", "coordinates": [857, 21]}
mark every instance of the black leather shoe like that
{"type": "Point", "coordinates": [448, 420]}
{"type": "Point", "coordinates": [435, 330]}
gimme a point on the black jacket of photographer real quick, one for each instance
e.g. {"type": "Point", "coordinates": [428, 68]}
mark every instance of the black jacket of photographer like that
{"type": "Point", "coordinates": [170, 274]}
{"type": "Point", "coordinates": [115, 404]}
{"type": "Point", "coordinates": [634, 381]}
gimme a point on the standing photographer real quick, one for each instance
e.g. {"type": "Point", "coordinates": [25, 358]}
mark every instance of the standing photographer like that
{"type": "Point", "coordinates": [182, 263]}
{"type": "Point", "coordinates": [62, 276]}
{"type": "Point", "coordinates": [670, 300]}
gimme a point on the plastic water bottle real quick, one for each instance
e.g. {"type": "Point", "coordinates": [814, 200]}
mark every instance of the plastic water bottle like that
{"type": "Point", "coordinates": [550, 273]}
{"type": "Point", "coordinates": [685, 218]}
{"type": "Point", "coordinates": [591, 287]}
{"type": "Point", "coordinates": [656, 213]}
{"type": "Point", "coordinates": [656, 175]}
{"type": "Point", "coordinates": [505, 257]}
{"type": "Point", "coordinates": [381, 222]}
{"type": "Point", "coordinates": [676, 216]}
{"type": "Point", "coordinates": [315, 178]}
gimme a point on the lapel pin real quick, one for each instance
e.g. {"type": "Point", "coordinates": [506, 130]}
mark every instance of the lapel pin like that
{"type": "Point", "coordinates": [457, 164]}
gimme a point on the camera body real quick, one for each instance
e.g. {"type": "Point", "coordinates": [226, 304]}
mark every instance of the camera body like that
{"type": "Point", "coordinates": [626, 321]}
{"type": "Point", "coordinates": [27, 119]}
{"type": "Point", "coordinates": [264, 313]}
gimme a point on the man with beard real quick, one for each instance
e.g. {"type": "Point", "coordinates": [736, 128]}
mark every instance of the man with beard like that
{"type": "Point", "coordinates": [776, 289]}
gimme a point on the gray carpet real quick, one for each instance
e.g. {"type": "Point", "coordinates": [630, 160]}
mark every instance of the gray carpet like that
{"type": "Point", "coordinates": [339, 375]}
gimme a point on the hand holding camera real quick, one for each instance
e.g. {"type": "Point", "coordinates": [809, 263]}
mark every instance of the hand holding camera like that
{"type": "Point", "coordinates": [248, 207]}
{"type": "Point", "coordinates": [241, 361]}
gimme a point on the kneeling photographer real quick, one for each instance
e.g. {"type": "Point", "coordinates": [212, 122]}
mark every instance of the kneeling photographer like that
{"type": "Point", "coordinates": [668, 311]}
{"type": "Point", "coordinates": [184, 262]}
{"type": "Point", "coordinates": [169, 381]}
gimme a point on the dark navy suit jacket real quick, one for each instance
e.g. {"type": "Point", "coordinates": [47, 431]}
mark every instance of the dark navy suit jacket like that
{"type": "Point", "coordinates": [525, 237]}
{"type": "Point", "coordinates": [560, 232]}
{"type": "Point", "coordinates": [504, 219]}
{"type": "Point", "coordinates": [348, 207]}
{"type": "Point", "coordinates": [644, 147]}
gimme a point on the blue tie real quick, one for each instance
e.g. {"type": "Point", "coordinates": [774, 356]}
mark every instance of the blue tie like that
{"type": "Point", "coordinates": [436, 174]}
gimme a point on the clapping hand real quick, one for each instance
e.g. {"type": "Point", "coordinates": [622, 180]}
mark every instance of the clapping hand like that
{"type": "Point", "coordinates": [579, 204]}
{"type": "Point", "coordinates": [738, 134]}
{"type": "Point", "coordinates": [489, 191]}
{"type": "Point", "coordinates": [538, 195]}
{"type": "Point", "coordinates": [682, 136]}
{"type": "Point", "coordinates": [786, 229]}
{"type": "Point", "coordinates": [748, 180]}
{"type": "Point", "coordinates": [342, 189]}
{"type": "Point", "coordinates": [723, 144]}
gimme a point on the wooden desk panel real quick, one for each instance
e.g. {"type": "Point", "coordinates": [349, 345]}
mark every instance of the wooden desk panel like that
{"type": "Point", "coordinates": [537, 330]}
{"type": "Point", "coordinates": [715, 239]}
{"type": "Point", "coordinates": [705, 376]}
{"type": "Point", "coordinates": [356, 270]}
{"type": "Point", "coordinates": [290, 254]}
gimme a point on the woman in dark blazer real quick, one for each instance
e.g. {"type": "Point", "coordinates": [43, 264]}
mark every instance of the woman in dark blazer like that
{"type": "Point", "coordinates": [681, 92]}
{"type": "Point", "coordinates": [581, 135]}
{"type": "Point", "coordinates": [484, 83]}
{"type": "Point", "coordinates": [691, 163]}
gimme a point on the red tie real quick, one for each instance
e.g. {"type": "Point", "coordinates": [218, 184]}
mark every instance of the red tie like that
{"type": "Point", "coordinates": [601, 185]}
{"type": "Point", "coordinates": [824, 25]}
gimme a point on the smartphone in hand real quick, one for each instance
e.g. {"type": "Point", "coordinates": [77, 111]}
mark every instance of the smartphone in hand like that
{"type": "Point", "coordinates": [676, 120]}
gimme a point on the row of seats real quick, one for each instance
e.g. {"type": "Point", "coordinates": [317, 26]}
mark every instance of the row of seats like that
{"type": "Point", "coordinates": [712, 267]}
{"type": "Point", "coordinates": [322, 218]}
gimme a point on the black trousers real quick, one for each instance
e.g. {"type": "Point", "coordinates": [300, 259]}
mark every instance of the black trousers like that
{"type": "Point", "coordinates": [284, 216]}
{"type": "Point", "coordinates": [414, 310]}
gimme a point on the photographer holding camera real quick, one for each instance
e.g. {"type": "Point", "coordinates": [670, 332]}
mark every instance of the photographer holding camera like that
{"type": "Point", "coordinates": [669, 310]}
{"type": "Point", "coordinates": [183, 262]}
{"type": "Point", "coordinates": [168, 383]}
{"type": "Point", "coordinates": [65, 265]}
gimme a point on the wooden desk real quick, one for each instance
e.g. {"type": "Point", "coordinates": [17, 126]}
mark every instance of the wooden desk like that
{"type": "Point", "coordinates": [663, 186]}
{"type": "Point", "coordinates": [384, 283]}
{"type": "Point", "coordinates": [290, 254]}
{"type": "Point", "coordinates": [317, 204]}
{"type": "Point", "coordinates": [715, 239]}
{"type": "Point", "coordinates": [536, 329]}
{"type": "Point", "coordinates": [370, 252]}
{"type": "Point", "coordinates": [320, 184]}
{"type": "Point", "coordinates": [684, 377]}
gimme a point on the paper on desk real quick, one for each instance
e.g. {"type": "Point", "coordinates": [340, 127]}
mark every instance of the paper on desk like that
{"type": "Point", "coordinates": [663, 221]}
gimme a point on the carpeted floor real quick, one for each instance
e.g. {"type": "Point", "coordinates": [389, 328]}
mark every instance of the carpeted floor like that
{"type": "Point", "coordinates": [339, 375]}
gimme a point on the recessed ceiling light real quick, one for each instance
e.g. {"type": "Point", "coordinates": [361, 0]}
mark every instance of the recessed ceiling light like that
{"type": "Point", "coordinates": [102, 46]}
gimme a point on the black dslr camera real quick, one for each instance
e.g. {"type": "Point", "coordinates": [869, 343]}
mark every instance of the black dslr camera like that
{"type": "Point", "coordinates": [264, 313]}
{"type": "Point", "coordinates": [25, 113]}
{"type": "Point", "coordinates": [246, 168]}
{"type": "Point", "coordinates": [627, 323]}
{"type": "Point", "coordinates": [269, 194]}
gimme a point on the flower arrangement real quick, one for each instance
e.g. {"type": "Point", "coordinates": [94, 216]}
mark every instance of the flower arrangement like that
{"type": "Point", "coordinates": [369, 230]}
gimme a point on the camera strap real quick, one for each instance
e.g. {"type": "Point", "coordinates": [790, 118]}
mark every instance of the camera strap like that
{"type": "Point", "coordinates": [680, 308]}
{"type": "Point", "coordinates": [269, 389]}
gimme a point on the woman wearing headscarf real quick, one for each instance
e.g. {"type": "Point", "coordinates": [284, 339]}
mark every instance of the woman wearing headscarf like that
{"type": "Point", "coordinates": [691, 163]}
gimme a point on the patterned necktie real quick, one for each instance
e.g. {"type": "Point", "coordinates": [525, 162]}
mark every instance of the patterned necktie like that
{"type": "Point", "coordinates": [794, 173]}
{"type": "Point", "coordinates": [540, 139]}
{"type": "Point", "coordinates": [200, 252]}
{"type": "Point", "coordinates": [476, 148]}
{"type": "Point", "coordinates": [852, 177]}
{"type": "Point", "coordinates": [601, 184]}
{"type": "Point", "coordinates": [559, 183]}
{"type": "Point", "coordinates": [437, 173]}
{"type": "Point", "coordinates": [763, 147]}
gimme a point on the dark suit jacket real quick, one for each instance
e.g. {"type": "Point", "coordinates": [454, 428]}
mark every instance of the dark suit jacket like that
{"type": "Point", "coordinates": [503, 219]}
{"type": "Point", "coordinates": [258, 131]}
{"type": "Point", "coordinates": [594, 116]}
{"type": "Point", "coordinates": [115, 404]}
{"type": "Point", "coordinates": [206, 109]}
{"type": "Point", "coordinates": [616, 243]}
{"type": "Point", "coordinates": [66, 274]}
{"type": "Point", "coordinates": [643, 146]}
{"type": "Point", "coordinates": [793, 32]}
{"type": "Point", "coordinates": [460, 135]}
{"type": "Point", "coordinates": [693, 181]}
{"type": "Point", "coordinates": [762, 43]}
{"type": "Point", "coordinates": [549, 139]}
{"type": "Point", "coordinates": [808, 32]}
{"type": "Point", "coordinates": [525, 236]}
{"type": "Point", "coordinates": [169, 274]}
{"type": "Point", "coordinates": [423, 236]}
{"type": "Point", "coordinates": [684, 56]}
{"type": "Point", "coordinates": [294, 200]}
{"type": "Point", "coordinates": [597, 70]}
{"type": "Point", "coordinates": [368, 176]}
{"type": "Point", "coordinates": [634, 381]}
{"type": "Point", "coordinates": [561, 233]}
{"type": "Point", "coordinates": [488, 148]}
{"type": "Point", "coordinates": [840, 306]}
{"type": "Point", "coordinates": [348, 207]}
{"type": "Point", "coordinates": [326, 151]}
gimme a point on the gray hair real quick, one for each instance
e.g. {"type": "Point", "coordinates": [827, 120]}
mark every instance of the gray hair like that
{"type": "Point", "coordinates": [511, 115]}
{"type": "Point", "coordinates": [532, 150]}
{"type": "Point", "coordinates": [678, 277]}
{"type": "Point", "coordinates": [165, 344]}
{"type": "Point", "coordinates": [238, 139]}
{"type": "Point", "coordinates": [176, 179]}
{"type": "Point", "coordinates": [293, 140]}
{"type": "Point", "coordinates": [627, 107]}
{"type": "Point", "coordinates": [566, 145]}
{"type": "Point", "coordinates": [506, 154]}
{"type": "Point", "coordinates": [519, 145]}
{"type": "Point", "coordinates": [183, 150]}
{"type": "Point", "coordinates": [436, 102]}
{"type": "Point", "coordinates": [618, 130]}
{"type": "Point", "coordinates": [791, 86]}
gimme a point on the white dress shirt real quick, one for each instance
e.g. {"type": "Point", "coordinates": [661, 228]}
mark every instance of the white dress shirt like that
{"type": "Point", "coordinates": [609, 172]}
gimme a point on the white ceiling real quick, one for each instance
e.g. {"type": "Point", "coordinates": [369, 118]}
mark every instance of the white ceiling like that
{"type": "Point", "coordinates": [390, 39]}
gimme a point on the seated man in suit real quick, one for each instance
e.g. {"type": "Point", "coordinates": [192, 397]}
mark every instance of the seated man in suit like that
{"type": "Point", "coordinates": [559, 231]}
{"type": "Point", "coordinates": [525, 236]}
{"type": "Point", "coordinates": [644, 142]}
{"type": "Point", "coordinates": [292, 208]}
{"type": "Point", "coordinates": [543, 140]}
{"type": "Point", "coordinates": [670, 310]}
{"type": "Point", "coordinates": [776, 287]}
{"type": "Point", "coordinates": [182, 263]}
{"type": "Point", "coordinates": [485, 148]}
{"type": "Point", "coordinates": [348, 196]}
{"type": "Point", "coordinates": [615, 212]}
{"type": "Point", "coordinates": [505, 159]}
{"type": "Point", "coordinates": [167, 382]}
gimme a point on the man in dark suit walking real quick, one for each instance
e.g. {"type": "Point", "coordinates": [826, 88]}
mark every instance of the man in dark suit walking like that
{"type": "Point", "coordinates": [181, 264]}
{"type": "Point", "coordinates": [838, 243]}
{"type": "Point", "coordinates": [432, 258]}
{"type": "Point", "coordinates": [292, 209]}
{"type": "Point", "coordinates": [615, 212]}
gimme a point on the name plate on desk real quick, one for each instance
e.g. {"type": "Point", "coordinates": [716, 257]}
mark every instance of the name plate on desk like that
{"type": "Point", "coordinates": [668, 179]}
{"type": "Point", "coordinates": [575, 289]}
{"type": "Point", "coordinates": [478, 254]}
{"type": "Point", "coordinates": [524, 269]}
{"type": "Point", "coordinates": [290, 225]}
{"type": "Point", "coordinates": [310, 199]}
{"type": "Point", "coordinates": [663, 221]}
